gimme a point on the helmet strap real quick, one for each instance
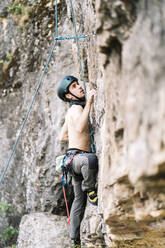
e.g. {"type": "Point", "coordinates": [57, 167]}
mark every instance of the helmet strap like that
{"type": "Point", "coordinates": [78, 98]}
{"type": "Point", "coordinates": [74, 102]}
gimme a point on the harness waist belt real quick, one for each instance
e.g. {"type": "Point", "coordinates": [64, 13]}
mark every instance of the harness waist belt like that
{"type": "Point", "coordinates": [74, 151]}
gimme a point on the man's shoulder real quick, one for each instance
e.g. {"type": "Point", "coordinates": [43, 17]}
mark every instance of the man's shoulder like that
{"type": "Point", "coordinates": [75, 109]}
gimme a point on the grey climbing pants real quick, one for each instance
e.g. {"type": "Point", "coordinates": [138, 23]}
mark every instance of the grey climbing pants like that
{"type": "Point", "coordinates": [85, 167]}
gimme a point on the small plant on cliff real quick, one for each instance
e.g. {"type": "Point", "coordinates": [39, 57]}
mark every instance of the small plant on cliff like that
{"type": "Point", "coordinates": [5, 209]}
{"type": "Point", "coordinates": [6, 63]}
{"type": "Point", "coordinates": [8, 59]}
{"type": "Point", "coordinates": [15, 9]}
{"type": "Point", "coordinates": [21, 13]}
{"type": "Point", "coordinates": [9, 235]}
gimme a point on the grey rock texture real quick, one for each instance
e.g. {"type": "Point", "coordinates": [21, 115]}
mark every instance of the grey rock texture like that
{"type": "Point", "coordinates": [132, 186]}
{"type": "Point", "coordinates": [43, 231]}
{"type": "Point", "coordinates": [124, 62]}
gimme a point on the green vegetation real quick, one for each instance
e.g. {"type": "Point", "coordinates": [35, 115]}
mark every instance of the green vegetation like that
{"type": "Point", "coordinates": [9, 235]}
{"type": "Point", "coordinates": [6, 209]}
{"type": "Point", "coordinates": [17, 9]}
{"type": "Point", "coordinates": [8, 59]}
{"type": "Point", "coordinates": [5, 65]}
{"type": "Point", "coordinates": [21, 13]}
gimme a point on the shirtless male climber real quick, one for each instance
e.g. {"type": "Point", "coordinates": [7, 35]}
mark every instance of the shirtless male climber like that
{"type": "Point", "coordinates": [84, 164]}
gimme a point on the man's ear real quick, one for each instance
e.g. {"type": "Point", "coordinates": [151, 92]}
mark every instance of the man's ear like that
{"type": "Point", "coordinates": [68, 96]}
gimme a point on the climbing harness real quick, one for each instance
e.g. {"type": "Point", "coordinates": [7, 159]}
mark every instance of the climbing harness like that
{"type": "Point", "coordinates": [66, 167]}
{"type": "Point", "coordinates": [76, 37]}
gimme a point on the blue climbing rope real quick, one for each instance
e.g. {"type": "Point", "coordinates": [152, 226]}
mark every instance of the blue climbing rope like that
{"type": "Point", "coordinates": [33, 99]}
{"type": "Point", "coordinates": [78, 48]}
{"type": "Point", "coordinates": [56, 19]}
{"type": "Point", "coordinates": [82, 76]}
{"type": "Point", "coordinates": [75, 37]}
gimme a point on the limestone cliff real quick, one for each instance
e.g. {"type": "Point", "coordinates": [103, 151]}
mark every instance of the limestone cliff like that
{"type": "Point", "coordinates": [124, 62]}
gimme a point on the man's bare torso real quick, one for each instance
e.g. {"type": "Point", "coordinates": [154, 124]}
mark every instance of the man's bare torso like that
{"type": "Point", "coordinates": [79, 139]}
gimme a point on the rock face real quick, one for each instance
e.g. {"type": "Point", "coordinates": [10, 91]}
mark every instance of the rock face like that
{"type": "Point", "coordinates": [132, 185]}
{"type": "Point", "coordinates": [124, 62]}
{"type": "Point", "coordinates": [43, 231]}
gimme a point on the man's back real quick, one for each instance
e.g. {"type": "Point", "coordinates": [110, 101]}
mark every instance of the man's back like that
{"type": "Point", "coordinates": [78, 137]}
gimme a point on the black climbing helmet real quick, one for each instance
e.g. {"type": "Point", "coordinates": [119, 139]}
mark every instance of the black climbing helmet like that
{"type": "Point", "coordinates": [63, 87]}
